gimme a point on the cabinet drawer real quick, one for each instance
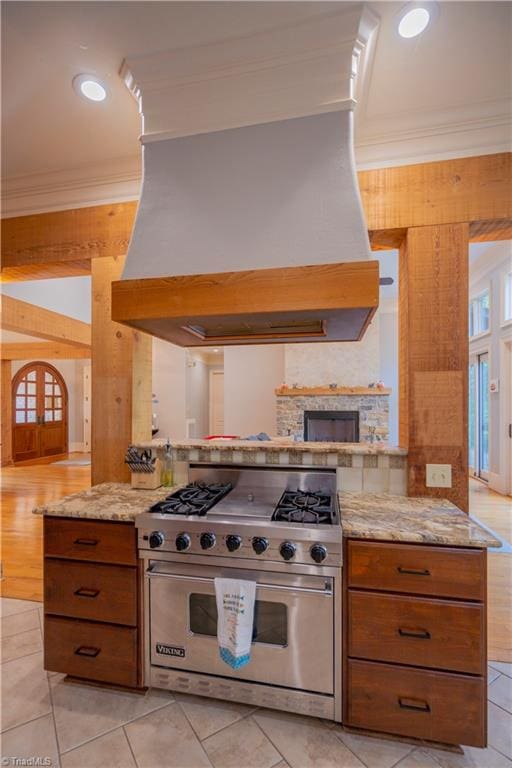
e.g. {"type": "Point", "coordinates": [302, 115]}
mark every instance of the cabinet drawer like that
{"type": "Point", "coordinates": [419, 570]}
{"type": "Point", "coordinates": [94, 540]}
{"type": "Point", "coordinates": [91, 591]}
{"type": "Point", "coordinates": [93, 651]}
{"type": "Point", "coordinates": [441, 634]}
{"type": "Point", "coordinates": [437, 706]}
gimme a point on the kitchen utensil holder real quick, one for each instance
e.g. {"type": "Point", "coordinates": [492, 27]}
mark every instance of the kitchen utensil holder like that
{"type": "Point", "coordinates": [148, 480]}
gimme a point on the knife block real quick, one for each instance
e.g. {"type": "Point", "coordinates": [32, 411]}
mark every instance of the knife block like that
{"type": "Point", "coordinates": [148, 481]}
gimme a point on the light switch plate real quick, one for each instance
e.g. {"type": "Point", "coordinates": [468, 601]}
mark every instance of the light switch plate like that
{"type": "Point", "coordinates": [439, 476]}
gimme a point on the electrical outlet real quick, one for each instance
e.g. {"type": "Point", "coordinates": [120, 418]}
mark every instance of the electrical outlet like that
{"type": "Point", "coordinates": [439, 476]}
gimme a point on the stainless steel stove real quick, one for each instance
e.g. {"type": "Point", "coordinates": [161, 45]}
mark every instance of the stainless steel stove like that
{"type": "Point", "coordinates": [279, 527]}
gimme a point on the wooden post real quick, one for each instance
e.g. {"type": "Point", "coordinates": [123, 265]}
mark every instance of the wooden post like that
{"type": "Point", "coordinates": [6, 414]}
{"type": "Point", "coordinates": [433, 352]}
{"type": "Point", "coordinates": [121, 380]}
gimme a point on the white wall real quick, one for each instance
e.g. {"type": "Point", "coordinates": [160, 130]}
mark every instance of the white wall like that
{"type": "Point", "coordinates": [198, 394]}
{"type": "Point", "coordinates": [169, 386]}
{"type": "Point", "coordinates": [251, 375]}
{"type": "Point", "coordinates": [68, 295]}
{"type": "Point", "coordinates": [487, 272]}
{"type": "Point", "coordinates": [72, 373]}
{"type": "Point", "coordinates": [346, 363]}
{"type": "Point", "coordinates": [388, 363]}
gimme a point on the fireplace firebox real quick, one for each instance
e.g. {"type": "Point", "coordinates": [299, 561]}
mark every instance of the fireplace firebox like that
{"type": "Point", "coordinates": [331, 426]}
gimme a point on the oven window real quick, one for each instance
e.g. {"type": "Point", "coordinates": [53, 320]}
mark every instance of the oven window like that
{"type": "Point", "coordinates": [270, 622]}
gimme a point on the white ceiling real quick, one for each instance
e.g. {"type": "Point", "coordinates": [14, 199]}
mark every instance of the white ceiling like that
{"type": "Point", "coordinates": [446, 93]}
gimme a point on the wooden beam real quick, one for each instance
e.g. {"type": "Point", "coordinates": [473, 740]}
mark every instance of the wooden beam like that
{"type": "Point", "coordinates": [62, 236]}
{"type": "Point", "coordinates": [6, 414]}
{"type": "Point", "coordinates": [467, 189]}
{"type": "Point", "coordinates": [44, 350]}
{"type": "Point", "coordinates": [121, 380]}
{"type": "Point", "coordinates": [46, 271]}
{"type": "Point", "coordinates": [36, 321]}
{"type": "Point", "coordinates": [433, 356]}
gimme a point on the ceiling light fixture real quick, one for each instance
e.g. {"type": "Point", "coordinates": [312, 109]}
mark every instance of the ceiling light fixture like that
{"type": "Point", "coordinates": [89, 87]}
{"type": "Point", "coordinates": [413, 20]}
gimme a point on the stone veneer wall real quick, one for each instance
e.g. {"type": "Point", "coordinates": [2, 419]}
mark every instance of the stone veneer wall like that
{"type": "Point", "coordinates": [374, 473]}
{"type": "Point", "coordinates": [373, 411]}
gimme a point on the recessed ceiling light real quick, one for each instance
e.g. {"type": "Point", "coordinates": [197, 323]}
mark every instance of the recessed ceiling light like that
{"type": "Point", "coordinates": [413, 22]}
{"type": "Point", "coordinates": [89, 87]}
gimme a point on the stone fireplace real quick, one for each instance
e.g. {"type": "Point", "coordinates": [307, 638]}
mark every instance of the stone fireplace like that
{"type": "Point", "coordinates": [297, 409]}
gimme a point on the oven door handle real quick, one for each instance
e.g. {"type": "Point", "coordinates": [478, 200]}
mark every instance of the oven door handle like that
{"type": "Point", "coordinates": [326, 591]}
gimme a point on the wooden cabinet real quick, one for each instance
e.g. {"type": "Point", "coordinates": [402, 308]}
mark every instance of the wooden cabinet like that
{"type": "Point", "coordinates": [91, 600]}
{"type": "Point", "coordinates": [415, 641]}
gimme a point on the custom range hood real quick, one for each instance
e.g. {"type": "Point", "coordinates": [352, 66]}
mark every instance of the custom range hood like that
{"type": "Point", "coordinates": [250, 227]}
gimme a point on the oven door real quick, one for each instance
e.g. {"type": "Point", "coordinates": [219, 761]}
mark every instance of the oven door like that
{"type": "Point", "coordinates": [293, 626]}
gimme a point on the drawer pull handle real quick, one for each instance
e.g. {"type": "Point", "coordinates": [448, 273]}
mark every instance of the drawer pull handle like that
{"type": "Point", "coordinates": [87, 542]}
{"type": "Point", "coordinates": [87, 650]}
{"type": "Point", "coordinates": [421, 634]}
{"type": "Point", "coordinates": [414, 571]}
{"type": "Point", "coordinates": [417, 706]}
{"type": "Point", "coordinates": [86, 592]}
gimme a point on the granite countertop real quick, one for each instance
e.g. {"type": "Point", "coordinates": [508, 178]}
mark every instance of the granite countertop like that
{"type": "Point", "coordinates": [413, 519]}
{"type": "Point", "coordinates": [278, 445]}
{"type": "Point", "coordinates": [107, 501]}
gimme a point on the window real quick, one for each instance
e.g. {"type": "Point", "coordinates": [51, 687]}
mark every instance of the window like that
{"type": "Point", "coordinates": [508, 298]}
{"type": "Point", "coordinates": [479, 314]}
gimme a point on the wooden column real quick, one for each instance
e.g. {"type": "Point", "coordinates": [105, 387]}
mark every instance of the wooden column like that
{"type": "Point", "coordinates": [121, 380]}
{"type": "Point", "coordinates": [6, 414]}
{"type": "Point", "coordinates": [433, 356]}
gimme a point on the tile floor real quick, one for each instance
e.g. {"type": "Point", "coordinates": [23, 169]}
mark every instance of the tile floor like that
{"type": "Point", "coordinates": [78, 726]}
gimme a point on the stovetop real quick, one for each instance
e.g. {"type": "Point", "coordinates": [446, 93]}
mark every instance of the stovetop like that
{"type": "Point", "coordinates": [307, 508]}
{"type": "Point", "coordinates": [241, 515]}
{"type": "Point", "coordinates": [195, 499]}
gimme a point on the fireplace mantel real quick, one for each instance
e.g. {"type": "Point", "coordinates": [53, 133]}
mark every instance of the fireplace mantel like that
{"type": "Point", "coordinates": [322, 391]}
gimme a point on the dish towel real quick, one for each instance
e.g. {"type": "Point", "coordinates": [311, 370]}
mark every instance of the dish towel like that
{"type": "Point", "coordinates": [235, 610]}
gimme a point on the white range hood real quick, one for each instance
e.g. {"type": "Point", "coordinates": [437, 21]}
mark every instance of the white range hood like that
{"type": "Point", "coordinates": [229, 185]}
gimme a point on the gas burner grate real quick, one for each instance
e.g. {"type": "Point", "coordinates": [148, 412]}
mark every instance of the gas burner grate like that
{"type": "Point", "coordinates": [304, 507]}
{"type": "Point", "coordinates": [195, 499]}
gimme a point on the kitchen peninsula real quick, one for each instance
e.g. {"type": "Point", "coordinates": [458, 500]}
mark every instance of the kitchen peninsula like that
{"type": "Point", "coordinates": [415, 564]}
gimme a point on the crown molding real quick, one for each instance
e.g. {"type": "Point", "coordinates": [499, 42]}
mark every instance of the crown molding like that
{"type": "Point", "coordinates": [112, 181]}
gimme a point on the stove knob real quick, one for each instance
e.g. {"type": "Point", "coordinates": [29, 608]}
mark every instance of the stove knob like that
{"type": "Point", "coordinates": [259, 545]}
{"type": "Point", "coordinates": [318, 552]}
{"type": "Point", "coordinates": [182, 542]}
{"type": "Point", "coordinates": [207, 540]}
{"type": "Point", "coordinates": [233, 543]}
{"type": "Point", "coordinates": [156, 539]}
{"type": "Point", "coordinates": [287, 550]}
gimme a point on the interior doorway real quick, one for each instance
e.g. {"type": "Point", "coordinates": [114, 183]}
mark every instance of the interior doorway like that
{"type": "Point", "coordinates": [478, 421]}
{"type": "Point", "coordinates": [216, 402]}
{"type": "Point", "coordinates": [40, 412]}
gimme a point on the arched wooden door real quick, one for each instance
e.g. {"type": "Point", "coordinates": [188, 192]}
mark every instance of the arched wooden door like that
{"type": "Point", "coordinates": [40, 412]}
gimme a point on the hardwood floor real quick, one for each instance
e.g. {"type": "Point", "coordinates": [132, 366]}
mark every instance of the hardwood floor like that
{"type": "Point", "coordinates": [25, 487]}
{"type": "Point", "coordinates": [495, 511]}
{"type": "Point", "coordinates": [22, 489]}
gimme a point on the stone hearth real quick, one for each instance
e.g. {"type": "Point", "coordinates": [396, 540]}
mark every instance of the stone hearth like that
{"type": "Point", "coordinates": [373, 411]}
